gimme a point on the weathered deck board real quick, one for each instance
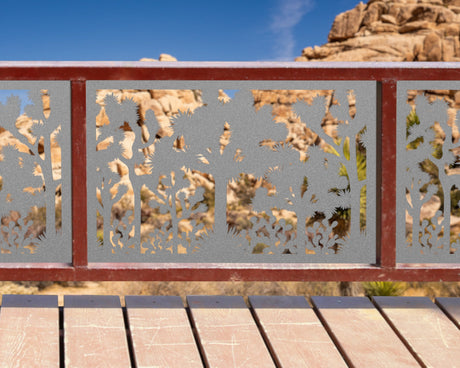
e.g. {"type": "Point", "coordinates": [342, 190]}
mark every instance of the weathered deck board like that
{"type": "Point", "coordinates": [363, 335]}
{"type": "Point", "coordinates": [161, 332]}
{"type": "Point", "coordinates": [227, 332]}
{"type": "Point", "coordinates": [451, 306]}
{"type": "Point", "coordinates": [405, 329]}
{"type": "Point", "coordinates": [95, 334]}
{"type": "Point", "coordinates": [429, 333]}
{"type": "Point", "coordinates": [29, 331]}
{"type": "Point", "coordinates": [295, 334]}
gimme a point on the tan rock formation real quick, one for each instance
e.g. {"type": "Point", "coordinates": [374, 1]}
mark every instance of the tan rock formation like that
{"type": "Point", "coordinates": [393, 30]}
{"type": "Point", "coordinates": [167, 57]}
{"type": "Point", "coordinates": [163, 57]}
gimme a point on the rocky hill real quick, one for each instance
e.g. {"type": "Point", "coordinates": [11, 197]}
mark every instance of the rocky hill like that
{"type": "Point", "coordinates": [393, 30]}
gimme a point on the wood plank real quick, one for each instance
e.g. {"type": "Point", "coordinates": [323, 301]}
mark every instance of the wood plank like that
{"type": "Point", "coordinates": [294, 333]}
{"type": "Point", "coordinates": [430, 334]}
{"type": "Point", "coordinates": [228, 334]}
{"type": "Point", "coordinates": [29, 331]}
{"type": "Point", "coordinates": [94, 332]}
{"type": "Point", "coordinates": [161, 332]}
{"type": "Point", "coordinates": [450, 306]}
{"type": "Point", "coordinates": [363, 336]}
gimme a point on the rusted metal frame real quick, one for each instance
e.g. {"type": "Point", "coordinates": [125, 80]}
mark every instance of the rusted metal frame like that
{"type": "Point", "coordinates": [386, 172]}
{"type": "Point", "coordinates": [230, 272]}
{"type": "Point", "coordinates": [224, 272]}
{"type": "Point", "coordinates": [37, 272]}
{"type": "Point", "coordinates": [227, 71]}
{"type": "Point", "coordinates": [80, 269]}
{"type": "Point", "coordinates": [79, 190]}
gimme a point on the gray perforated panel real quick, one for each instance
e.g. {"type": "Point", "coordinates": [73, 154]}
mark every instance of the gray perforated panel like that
{"type": "Point", "coordinates": [35, 194]}
{"type": "Point", "coordinates": [428, 173]}
{"type": "Point", "coordinates": [267, 172]}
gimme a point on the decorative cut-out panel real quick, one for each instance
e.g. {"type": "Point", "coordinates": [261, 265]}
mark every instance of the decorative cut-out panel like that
{"type": "Point", "coordinates": [428, 172]}
{"type": "Point", "coordinates": [208, 171]}
{"type": "Point", "coordinates": [35, 193]}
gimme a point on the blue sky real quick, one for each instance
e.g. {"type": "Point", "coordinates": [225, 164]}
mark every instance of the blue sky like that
{"type": "Point", "coordinates": [238, 30]}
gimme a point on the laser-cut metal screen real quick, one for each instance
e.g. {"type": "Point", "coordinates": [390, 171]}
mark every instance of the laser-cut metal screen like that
{"type": "Point", "coordinates": [428, 172]}
{"type": "Point", "coordinates": [35, 195]}
{"type": "Point", "coordinates": [208, 171]}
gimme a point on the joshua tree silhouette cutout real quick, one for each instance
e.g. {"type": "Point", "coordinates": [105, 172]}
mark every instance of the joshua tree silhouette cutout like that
{"type": "Point", "coordinates": [29, 158]}
{"type": "Point", "coordinates": [123, 118]}
{"type": "Point", "coordinates": [305, 188]}
{"type": "Point", "coordinates": [350, 133]}
{"type": "Point", "coordinates": [203, 133]}
{"type": "Point", "coordinates": [430, 143]}
{"type": "Point", "coordinates": [169, 164]}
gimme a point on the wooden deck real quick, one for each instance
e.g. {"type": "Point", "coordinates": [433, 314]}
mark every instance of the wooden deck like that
{"type": "Point", "coordinates": [222, 331]}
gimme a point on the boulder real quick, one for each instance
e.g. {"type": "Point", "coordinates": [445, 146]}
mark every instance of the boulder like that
{"type": "Point", "coordinates": [432, 48]}
{"type": "Point", "coordinates": [148, 59]}
{"type": "Point", "coordinates": [379, 27]}
{"type": "Point", "coordinates": [387, 18]}
{"type": "Point", "coordinates": [347, 24]}
{"type": "Point", "coordinates": [415, 26]}
{"type": "Point", "coordinates": [450, 47]}
{"type": "Point", "coordinates": [373, 12]}
{"type": "Point", "coordinates": [167, 57]}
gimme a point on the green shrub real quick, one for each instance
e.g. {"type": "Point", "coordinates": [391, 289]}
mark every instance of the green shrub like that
{"type": "Point", "coordinates": [383, 288]}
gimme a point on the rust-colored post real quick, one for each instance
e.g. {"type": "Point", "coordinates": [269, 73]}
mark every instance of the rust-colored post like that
{"type": "Point", "coordinates": [386, 202]}
{"type": "Point", "coordinates": [79, 228]}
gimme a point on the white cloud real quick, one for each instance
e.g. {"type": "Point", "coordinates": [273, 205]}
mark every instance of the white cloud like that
{"type": "Point", "coordinates": [285, 17]}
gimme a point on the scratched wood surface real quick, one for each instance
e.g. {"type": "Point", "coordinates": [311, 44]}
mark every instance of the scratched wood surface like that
{"type": "Point", "coordinates": [227, 332]}
{"type": "Point", "coordinates": [294, 333]}
{"type": "Point", "coordinates": [29, 331]}
{"type": "Point", "coordinates": [161, 332]}
{"type": "Point", "coordinates": [94, 332]}
{"type": "Point", "coordinates": [220, 331]}
{"type": "Point", "coordinates": [361, 332]}
{"type": "Point", "coordinates": [450, 306]}
{"type": "Point", "coordinates": [427, 330]}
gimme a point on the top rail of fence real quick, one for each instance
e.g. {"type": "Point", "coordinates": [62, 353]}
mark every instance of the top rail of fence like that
{"type": "Point", "coordinates": [123, 70]}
